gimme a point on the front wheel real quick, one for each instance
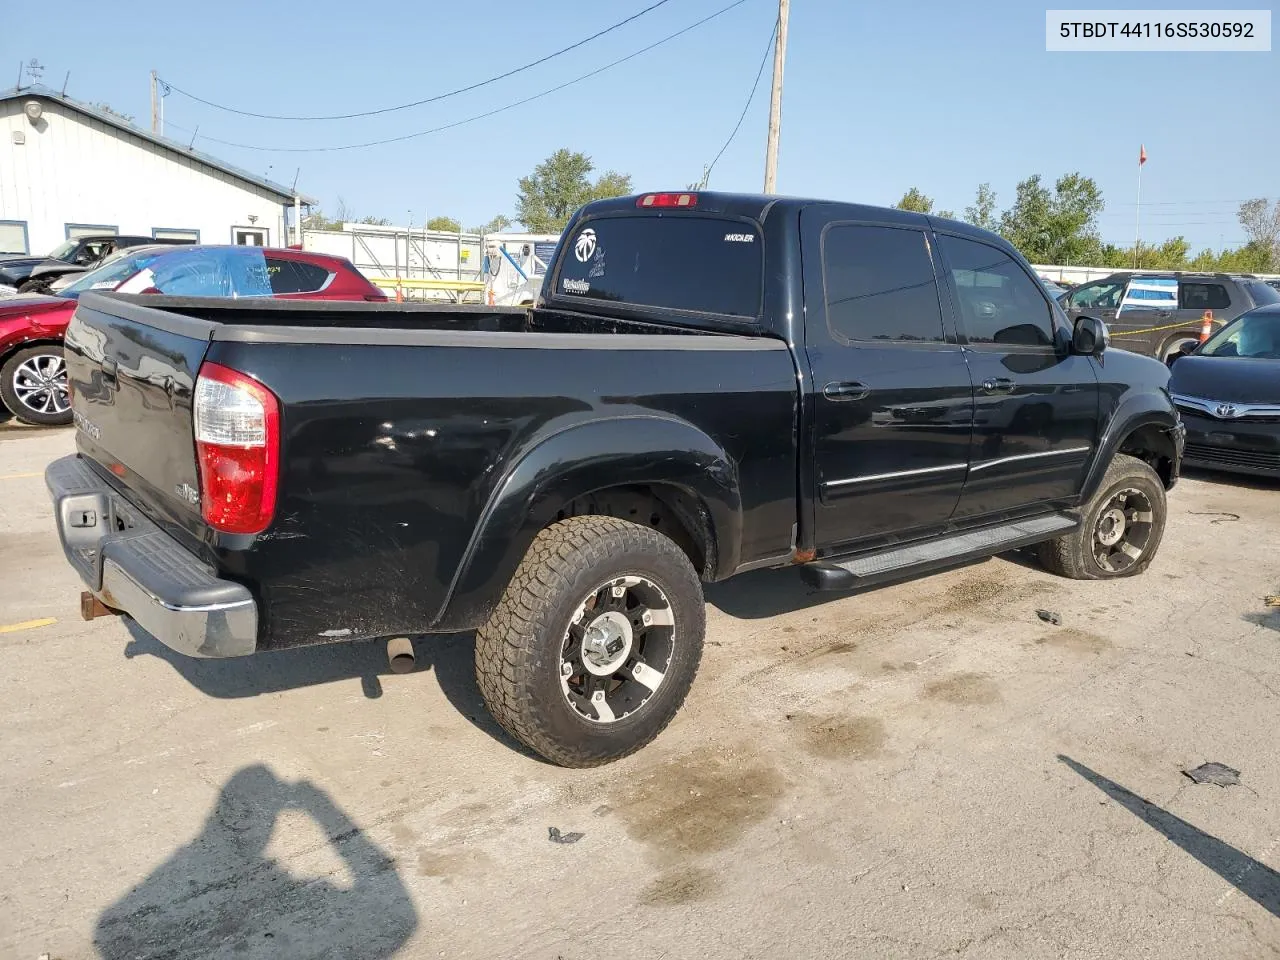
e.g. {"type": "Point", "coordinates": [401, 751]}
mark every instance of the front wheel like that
{"type": "Point", "coordinates": [1121, 530]}
{"type": "Point", "coordinates": [595, 642]}
{"type": "Point", "coordinates": [33, 385]}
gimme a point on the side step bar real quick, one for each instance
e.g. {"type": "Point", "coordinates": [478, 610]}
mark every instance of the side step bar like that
{"type": "Point", "coordinates": [897, 562]}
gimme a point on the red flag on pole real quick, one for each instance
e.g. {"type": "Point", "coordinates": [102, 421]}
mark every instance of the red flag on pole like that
{"type": "Point", "coordinates": [1142, 155]}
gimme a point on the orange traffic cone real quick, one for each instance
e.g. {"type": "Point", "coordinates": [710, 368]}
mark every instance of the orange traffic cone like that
{"type": "Point", "coordinates": [491, 298]}
{"type": "Point", "coordinates": [399, 295]}
{"type": "Point", "coordinates": [1206, 326]}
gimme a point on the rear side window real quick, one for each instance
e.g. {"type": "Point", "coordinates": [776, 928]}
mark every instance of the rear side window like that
{"type": "Point", "coordinates": [700, 264]}
{"type": "Point", "coordinates": [999, 303]}
{"type": "Point", "coordinates": [1203, 296]}
{"type": "Point", "coordinates": [880, 285]}
{"type": "Point", "coordinates": [293, 276]}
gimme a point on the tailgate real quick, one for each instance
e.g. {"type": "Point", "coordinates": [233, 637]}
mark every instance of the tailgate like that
{"type": "Point", "coordinates": [132, 370]}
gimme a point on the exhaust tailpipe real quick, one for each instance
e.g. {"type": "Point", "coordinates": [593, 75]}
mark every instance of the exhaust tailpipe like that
{"type": "Point", "coordinates": [400, 653]}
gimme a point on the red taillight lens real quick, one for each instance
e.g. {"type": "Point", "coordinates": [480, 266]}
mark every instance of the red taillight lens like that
{"type": "Point", "coordinates": [668, 200]}
{"type": "Point", "coordinates": [237, 428]}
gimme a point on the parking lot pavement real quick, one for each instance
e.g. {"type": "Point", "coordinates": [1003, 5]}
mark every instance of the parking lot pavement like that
{"type": "Point", "coordinates": [926, 770]}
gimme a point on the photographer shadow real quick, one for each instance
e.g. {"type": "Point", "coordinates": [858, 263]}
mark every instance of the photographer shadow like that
{"type": "Point", "coordinates": [221, 895]}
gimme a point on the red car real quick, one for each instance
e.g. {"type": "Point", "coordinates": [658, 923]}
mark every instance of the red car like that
{"type": "Point", "coordinates": [33, 378]}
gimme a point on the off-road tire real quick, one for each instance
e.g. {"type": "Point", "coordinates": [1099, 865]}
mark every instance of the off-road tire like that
{"type": "Point", "coordinates": [518, 650]}
{"type": "Point", "coordinates": [1072, 555]}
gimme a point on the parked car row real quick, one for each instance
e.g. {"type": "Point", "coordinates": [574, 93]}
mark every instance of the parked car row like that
{"type": "Point", "coordinates": [74, 256]}
{"type": "Point", "coordinates": [33, 376]}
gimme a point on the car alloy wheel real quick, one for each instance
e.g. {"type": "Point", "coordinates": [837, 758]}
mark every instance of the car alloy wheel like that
{"type": "Point", "coordinates": [1123, 530]}
{"type": "Point", "coordinates": [617, 649]}
{"type": "Point", "coordinates": [40, 384]}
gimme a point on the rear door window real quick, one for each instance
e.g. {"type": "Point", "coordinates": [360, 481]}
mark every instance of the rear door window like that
{"type": "Point", "coordinates": [880, 285]}
{"type": "Point", "coordinates": [293, 276]}
{"type": "Point", "coordinates": [1197, 295]}
{"type": "Point", "coordinates": [680, 262]}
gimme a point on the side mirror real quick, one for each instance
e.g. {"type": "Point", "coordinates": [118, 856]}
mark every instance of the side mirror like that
{"type": "Point", "coordinates": [1185, 348]}
{"type": "Point", "coordinates": [1090, 337]}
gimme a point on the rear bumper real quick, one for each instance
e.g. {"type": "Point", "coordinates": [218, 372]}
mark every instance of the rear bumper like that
{"type": "Point", "coordinates": [133, 566]}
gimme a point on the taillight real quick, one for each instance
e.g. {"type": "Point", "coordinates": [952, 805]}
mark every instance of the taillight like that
{"type": "Point", "coordinates": [237, 428]}
{"type": "Point", "coordinates": [668, 200]}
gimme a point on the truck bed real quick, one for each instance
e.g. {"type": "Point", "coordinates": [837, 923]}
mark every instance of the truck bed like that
{"type": "Point", "coordinates": [410, 435]}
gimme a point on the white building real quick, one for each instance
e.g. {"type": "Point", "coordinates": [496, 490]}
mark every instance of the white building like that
{"type": "Point", "coordinates": [68, 169]}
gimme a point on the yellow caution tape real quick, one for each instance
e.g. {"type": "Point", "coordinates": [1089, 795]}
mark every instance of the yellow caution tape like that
{"type": "Point", "coordinates": [1167, 326]}
{"type": "Point", "coordinates": [27, 625]}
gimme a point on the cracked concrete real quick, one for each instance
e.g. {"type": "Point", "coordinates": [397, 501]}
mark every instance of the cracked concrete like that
{"type": "Point", "coordinates": [860, 776]}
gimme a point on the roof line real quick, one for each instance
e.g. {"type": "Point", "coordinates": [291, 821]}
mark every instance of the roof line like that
{"type": "Point", "coordinates": [45, 93]}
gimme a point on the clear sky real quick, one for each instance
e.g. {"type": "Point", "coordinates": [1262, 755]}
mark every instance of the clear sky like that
{"type": "Point", "coordinates": [879, 97]}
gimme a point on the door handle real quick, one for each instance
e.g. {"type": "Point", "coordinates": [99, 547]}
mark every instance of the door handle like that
{"type": "Point", "coordinates": [846, 391]}
{"type": "Point", "coordinates": [997, 385]}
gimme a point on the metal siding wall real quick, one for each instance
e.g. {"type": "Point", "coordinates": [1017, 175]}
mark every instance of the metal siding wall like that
{"type": "Point", "coordinates": [79, 170]}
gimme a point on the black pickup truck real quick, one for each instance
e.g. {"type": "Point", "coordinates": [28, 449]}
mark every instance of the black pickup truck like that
{"type": "Point", "coordinates": [709, 384]}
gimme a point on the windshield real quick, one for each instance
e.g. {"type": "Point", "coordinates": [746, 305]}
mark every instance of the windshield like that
{"type": "Point", "coordinates": [110, 275]}
{"type": "Point", "coordinates": [64, 250]}
{"type": "Point", "coordinates": [1262, 292]}
{"type": "Point", "coordinates": [1255, 335]}
{"type": "Point", "coordinates": [700, 264]}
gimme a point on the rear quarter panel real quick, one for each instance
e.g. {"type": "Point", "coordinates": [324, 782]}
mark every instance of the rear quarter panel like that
{"type": "Point", "coordinates": [392, 452]}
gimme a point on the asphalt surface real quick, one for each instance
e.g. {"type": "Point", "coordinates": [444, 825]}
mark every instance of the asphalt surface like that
{"type": "Point", "coordinates": [928, 770]}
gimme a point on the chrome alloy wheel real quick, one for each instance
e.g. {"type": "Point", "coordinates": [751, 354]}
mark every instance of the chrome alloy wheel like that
{"type": "Point", "coordinates": [40, 384]}
{"type": "Point", "coordinates": [1123, 530]}
{"type": "Point", "coordinates": [617, 649]}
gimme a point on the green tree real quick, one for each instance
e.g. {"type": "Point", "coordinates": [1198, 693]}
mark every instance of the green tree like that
{"type": "Point", "coordinates": [444, 225]}
{"type": "Point", "coordinates": [375, 221]}
{"type": "Point", "coordinates": [559, 185]}
{"type": "Point", "coordinates": [1055, 227]}
{"type": "Point", "coordinates": [913, 199]}
{"type": "Point", "coordinates": [495, 225]}
{"type": "Point", "coordinates": [1261, 224]}
{"type": "Point", "coordinates": [946, 214]}
{"type": "Point", "coordinates": [983, 212]}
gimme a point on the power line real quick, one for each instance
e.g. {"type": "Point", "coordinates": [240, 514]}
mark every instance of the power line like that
{"type": "Point", "coordinates": [773, 36]}
{"type": "Point", "coordinates": [479, 116]}
{"type": "Point", "coordinates": [419, 103]}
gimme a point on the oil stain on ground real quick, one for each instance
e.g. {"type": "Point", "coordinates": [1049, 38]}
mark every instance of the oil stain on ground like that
{"type": "Point", "coordinates": [1076, 641]}
{"type": "Point", "coordinates": [842, 738]}
{"type": "Point", "coordinates": [449, 863]}
{"type": "Point", "coordinates": [681, 885]}
{"type": "Point", "coordinates": [697, 803]}
{"type": "Point", "coordinates": [964, 688]}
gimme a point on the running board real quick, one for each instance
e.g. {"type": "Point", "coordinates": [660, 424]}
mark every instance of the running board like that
{"type": "Point", "coordinates": [945, 551]}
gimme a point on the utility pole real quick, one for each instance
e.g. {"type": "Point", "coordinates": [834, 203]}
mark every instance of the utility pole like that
{"type": "Point", "coordinates": [775, 100]}
{"type": "Point", "coordinates": [155, 105]}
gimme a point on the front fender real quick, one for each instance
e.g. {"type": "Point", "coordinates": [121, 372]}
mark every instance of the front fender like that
{"type": "Point", "coordinates": [1133, 413]}
{"type": "Point", "coordinates": [578, 460]}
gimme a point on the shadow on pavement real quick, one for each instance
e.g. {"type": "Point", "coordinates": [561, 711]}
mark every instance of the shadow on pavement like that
{"type": "Point", "coordinates": [1270, 620]}
{"type": "Point", "coordinates": [220, 895]}
{"type": "Point", "coordinates": [1251, 877]}
{"type": "Point", "coordinates": [1228, 478]}
{"type": "Point", "coordinates": [451, 657]}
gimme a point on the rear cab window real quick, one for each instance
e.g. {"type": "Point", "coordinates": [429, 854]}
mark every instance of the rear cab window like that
{"type": "Point", "coordinates": [682, 262]}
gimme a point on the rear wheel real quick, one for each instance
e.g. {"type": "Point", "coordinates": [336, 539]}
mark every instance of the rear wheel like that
{"type": "Point", "coordinates": [33, 385]}
{"type": "Point", "coordinates": [595, 643]}
{"type": "Point", "coordinates": [1122, 527]}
